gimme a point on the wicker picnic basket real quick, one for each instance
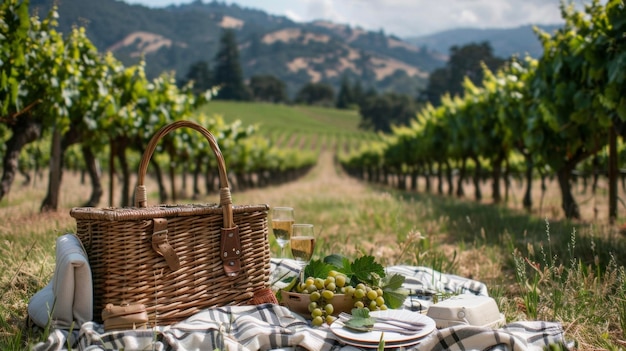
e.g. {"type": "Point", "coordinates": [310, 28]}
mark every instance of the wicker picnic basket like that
{"type": "Point", "coordinates": [176, 259]}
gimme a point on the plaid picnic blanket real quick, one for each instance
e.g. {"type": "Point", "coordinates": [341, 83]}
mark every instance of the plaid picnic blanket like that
{"type": "Point", "coordinates": [268, 326]}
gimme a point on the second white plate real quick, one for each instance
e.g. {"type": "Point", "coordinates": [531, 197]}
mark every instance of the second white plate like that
{"type": "Point", "coordinates": [373, 337]}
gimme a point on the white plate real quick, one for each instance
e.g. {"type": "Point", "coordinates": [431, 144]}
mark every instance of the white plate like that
{"type": "Point", "coordinates": [374, 345]}
{"type": "Point", "coordinates": [373, 337]}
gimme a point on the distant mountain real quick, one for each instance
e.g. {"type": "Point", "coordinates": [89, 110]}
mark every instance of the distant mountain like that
{"type": "Point", "coordinates": [505, 42]}
{"type": "Point", "coordinates": [174, 37]}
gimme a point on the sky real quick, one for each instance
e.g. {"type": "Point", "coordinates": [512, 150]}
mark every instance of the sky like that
{"type": "Point", "coordinates": [405, 18]}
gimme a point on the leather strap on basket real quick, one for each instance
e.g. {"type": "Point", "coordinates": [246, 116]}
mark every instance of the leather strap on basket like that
{"type": "Point", "coordinates": [225, 197]}
{"type": "Point", "coordinates": [231, 250]}
{"type": "Point", "coordinates": [162, 246]}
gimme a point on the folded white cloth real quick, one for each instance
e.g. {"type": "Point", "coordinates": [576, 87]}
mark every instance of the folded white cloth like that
{"type": "Point", "coordinates": [67, 301]}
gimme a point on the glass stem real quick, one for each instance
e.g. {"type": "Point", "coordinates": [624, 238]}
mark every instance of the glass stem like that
{"type": "Point", "coordinates": [302, 265]}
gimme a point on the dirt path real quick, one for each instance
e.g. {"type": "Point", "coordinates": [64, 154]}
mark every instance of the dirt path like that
{"type": "Point", "coordinates": [325, 180]}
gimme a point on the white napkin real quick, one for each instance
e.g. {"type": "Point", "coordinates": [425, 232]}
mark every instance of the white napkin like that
{"type": "Point", "coordinates": [67, 301]}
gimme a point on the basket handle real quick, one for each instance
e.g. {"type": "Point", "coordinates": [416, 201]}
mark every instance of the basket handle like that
{"type": "Point", "coordinates": [225, 197]}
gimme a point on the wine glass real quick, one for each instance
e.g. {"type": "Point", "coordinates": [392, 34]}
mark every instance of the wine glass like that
{"type": "Point", "coordinates": [282, 222]}
{"type": "Point", "coordinates": [302, 245]}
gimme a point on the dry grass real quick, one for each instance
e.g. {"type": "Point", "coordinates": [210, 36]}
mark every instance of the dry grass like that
{"type": "Point", "coordinates": [354, 218]}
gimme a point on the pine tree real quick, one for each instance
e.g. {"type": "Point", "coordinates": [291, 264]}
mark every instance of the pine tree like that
{"type": "Point", "coordinates": [228, 75]}
{"type": "Point", "coordinates": [345, 97]}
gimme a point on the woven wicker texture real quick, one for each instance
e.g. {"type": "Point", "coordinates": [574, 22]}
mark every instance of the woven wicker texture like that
{"type": "Point", "coordinates": [127, 269]}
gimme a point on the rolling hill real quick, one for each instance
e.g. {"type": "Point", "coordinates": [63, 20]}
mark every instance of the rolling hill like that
{"type": "Point", "coordinates": [174, 37]}
{"type": "Point", "coordinates": [505, 42]}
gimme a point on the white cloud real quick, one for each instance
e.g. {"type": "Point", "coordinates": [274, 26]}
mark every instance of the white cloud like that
{"type": "Point", "coordinates": [410, 17]}
{"type": "Point", "coordinates": [467, 17]}
{"type": "Point", "coordinates": [293, 15]}
{"type": "Point", "coordinates": [323, 9]}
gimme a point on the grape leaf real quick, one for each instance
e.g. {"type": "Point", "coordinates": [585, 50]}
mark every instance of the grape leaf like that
{"type": "Point", "coordinates": [336, 260]}
{"type": "Point", "coordinates": [366, 270]}
{"type": "Point", "coordinates": [360, 318]}
{"type": "Point", "coordinates": [393, 282]}
{"type": "Point", "coordinates": [393, 293]}
{"type": "Point", "coordinates": [395, 298]}
{"type": "Point", "coordinates": [317, 269]}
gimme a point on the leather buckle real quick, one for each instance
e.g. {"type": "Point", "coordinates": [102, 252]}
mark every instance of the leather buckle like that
{"type": "Point", "coordinates": [161, 245]}
{"type": "Point", "coordinates": [230, 248]}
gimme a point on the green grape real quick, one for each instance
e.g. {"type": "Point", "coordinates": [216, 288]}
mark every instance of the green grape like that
{"type": "Point", "coordinates": [312, 306]}
{"type": "Point", "coordinates": [359, 304]}
{"type": "Point", "coordinates": [379, 291]}
{"type": "Point", "coordinates": [329, 309]}
{"type": "Point", "coordinates": [331, 286]}
{"type": "Point", "coordinates": [319, 283]}
{"type": "Point", "coordinates": [329, 280]}
{"type": "Point", "coordinates": [315, 296]}
{"type": "Point", "coordinates": [360, 286]}
{"type": "Point", "coordinates": [380, 301]}
{"type": "Point", "coordinates": [330, 319]}
{"type": "Point", "coordinates": [372, 295]}
{"type": "Point", "coordinates": [311, 288]}
{"type": "Point", "coordinates": [316, 312]}
{"type": "Point", "coordinates": [327, 294]}
{"type": "Point", "coordinates": [349, 290]}
{"type": "Point", "coordinates": [317, 321]}
{"type": "Point", "coordinates": [309, 281]}
{"type": "Point", "coordinates": [340, 280]}
{"type": "Point", "coordinates": [333, 273]}
{"type": "Point", "coordinates": [359, 293]}
{"type": "Point", "coordinates": [372, 306]}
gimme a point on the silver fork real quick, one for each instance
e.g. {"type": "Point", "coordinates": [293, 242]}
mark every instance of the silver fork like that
{"type": "Point", "coordinates": [407, 325]}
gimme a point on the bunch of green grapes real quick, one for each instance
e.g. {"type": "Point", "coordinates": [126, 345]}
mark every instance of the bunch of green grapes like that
{"type": "Point", "coordinates": [365, 296]}
{"type": "Point", "coordinates": [322, 292]}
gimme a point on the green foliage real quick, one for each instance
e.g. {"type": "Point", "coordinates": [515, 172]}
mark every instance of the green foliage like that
{"type": "Point", "coordinates": [467, 61]}
{"type": "Point", "coordinates": [268, 88]}
{"type": "Point", "coordinates": [382, 112]}
{"type": "Point", "coordinates": [365, 269]}
{"type": "Point", "coordinates": [393, 292]}
{"type": "Point", "coordinates": [321, 94]}
{"type": "Point", "coordinates": [317, 269]}
{"type": "Point", "coordinates": [362, 270]}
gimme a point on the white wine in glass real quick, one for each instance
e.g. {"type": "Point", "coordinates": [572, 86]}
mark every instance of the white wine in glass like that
{"type": "Point", "coordinates": [282, 222]}
{"type": "Point", "coordinates": [302, 245]}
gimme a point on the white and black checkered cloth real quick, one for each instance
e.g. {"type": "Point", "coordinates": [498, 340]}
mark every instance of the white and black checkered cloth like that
{"type": "Point", "coordinates": [267, 327]}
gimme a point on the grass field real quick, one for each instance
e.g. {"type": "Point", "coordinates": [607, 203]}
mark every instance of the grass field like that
{"type": "Point", "coordinates": [293, 126]}
{"type": "Point", "coordinates": [296, 118]}
{"type": "Point", "coordinates": [537, 266]}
